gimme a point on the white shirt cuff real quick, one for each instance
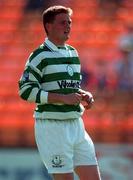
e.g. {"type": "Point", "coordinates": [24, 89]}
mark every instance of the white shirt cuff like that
{"type": "Point", "coordinates": [44, 97]}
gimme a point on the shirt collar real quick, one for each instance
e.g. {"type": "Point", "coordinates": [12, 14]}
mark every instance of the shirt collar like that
{"type": "Point", "coordinates": [51, 45]}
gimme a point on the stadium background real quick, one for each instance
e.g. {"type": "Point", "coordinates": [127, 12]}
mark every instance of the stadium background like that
{"type": "Point", "coordinates": [97, 26]}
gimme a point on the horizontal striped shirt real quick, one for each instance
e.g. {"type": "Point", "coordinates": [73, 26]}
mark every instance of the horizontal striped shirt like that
{"type": "Point", "coordinates": [51, 69]}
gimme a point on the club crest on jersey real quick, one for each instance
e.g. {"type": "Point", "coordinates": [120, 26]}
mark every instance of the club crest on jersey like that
{"type": "Point", "coordinates": [57, 161]}
{"type": "Point", "coordinates": [70, 70]}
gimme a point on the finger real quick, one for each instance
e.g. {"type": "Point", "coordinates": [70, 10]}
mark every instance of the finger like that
{"type": "Point", "coordinates": [79, 97]}
{"type": "Point", "coordinates": [87, 106]}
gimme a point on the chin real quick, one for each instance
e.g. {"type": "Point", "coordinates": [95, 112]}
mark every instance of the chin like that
{"type": "Point", "coordinates": [66, 38]}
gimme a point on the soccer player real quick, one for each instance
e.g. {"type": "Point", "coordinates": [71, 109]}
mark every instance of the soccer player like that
{"type": "Point", "coordinates": [51, 79]}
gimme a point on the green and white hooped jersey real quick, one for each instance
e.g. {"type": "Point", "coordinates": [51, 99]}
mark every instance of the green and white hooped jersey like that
{"type": "Point", "coordinates": [51, 69]}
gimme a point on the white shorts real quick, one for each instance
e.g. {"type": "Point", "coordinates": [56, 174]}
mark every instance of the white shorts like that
{"type": "Point", "coordinates": [63, 145]}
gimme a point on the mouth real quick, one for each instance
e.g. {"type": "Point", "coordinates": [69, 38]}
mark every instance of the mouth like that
{"type": "Point", "coordinates": [66, 32]}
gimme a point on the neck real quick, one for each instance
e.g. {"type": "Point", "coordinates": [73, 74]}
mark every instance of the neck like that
{"type": "Point", "coordinates": [56, 42]}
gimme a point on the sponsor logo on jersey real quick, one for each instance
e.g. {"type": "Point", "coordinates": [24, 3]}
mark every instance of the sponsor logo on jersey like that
{"type": "Point", "coordinates": [68, 84]}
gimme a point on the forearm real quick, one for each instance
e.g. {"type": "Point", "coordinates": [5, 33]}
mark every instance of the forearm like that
{"type": "Point", "coordinates": [55, 98]}
{"type": "Point", "coordinates": [73, 98]}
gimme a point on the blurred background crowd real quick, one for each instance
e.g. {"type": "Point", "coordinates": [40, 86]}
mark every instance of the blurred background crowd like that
{"type": "Point", "coordinates": [102, 32]}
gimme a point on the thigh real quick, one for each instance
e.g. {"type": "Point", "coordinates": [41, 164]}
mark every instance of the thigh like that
{"type": "Point", "coordinates": [53, 145]}
{"type": "Point", "coordinates": [84, 152]}
{"type": "Point", "coordinates": [65, 176]}
{"type": "Point", "coordinates": [90, 172]}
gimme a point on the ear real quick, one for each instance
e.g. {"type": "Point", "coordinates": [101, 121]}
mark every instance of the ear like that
{"type": "Point", "coordinates": [48, 27]}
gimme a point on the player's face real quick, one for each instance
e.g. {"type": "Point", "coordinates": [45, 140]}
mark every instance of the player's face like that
{"type": "Point", "coordinates": [59, 30]}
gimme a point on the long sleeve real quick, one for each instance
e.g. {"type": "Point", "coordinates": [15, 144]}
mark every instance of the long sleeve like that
{"type": "Point", "coordinates": [30, 85]}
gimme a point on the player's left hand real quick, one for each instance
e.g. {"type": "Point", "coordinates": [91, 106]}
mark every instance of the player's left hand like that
{"type": "Point", "coordinates": [87, 98]}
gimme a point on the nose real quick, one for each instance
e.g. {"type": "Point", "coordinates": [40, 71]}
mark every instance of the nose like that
{"type": "Point", "coordinates": [68, 23]}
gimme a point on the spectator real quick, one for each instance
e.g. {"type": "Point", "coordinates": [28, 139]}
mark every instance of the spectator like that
{"type": "Point", "coordinates": [125, 41]}
{"type": "Point", "coordinates": [124, 71]}
{"type": "Point", "coordinates": [40, 5]}
{"type": "Point", "coordinates": [124, 67]}
{"type": "Point", "coordinates": [36, 5]}
{"type": "Point", "coordinates": [108, 9]}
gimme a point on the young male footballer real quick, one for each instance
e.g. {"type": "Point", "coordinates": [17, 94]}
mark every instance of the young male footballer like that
{"type": "Point", "coordinates": [51, 79]}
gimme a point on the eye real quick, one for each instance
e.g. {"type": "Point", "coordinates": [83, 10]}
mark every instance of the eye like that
{"type": "Point", "coordinates": [66, 22]}
{"type": "Point", "coordinates": [63, 22]}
